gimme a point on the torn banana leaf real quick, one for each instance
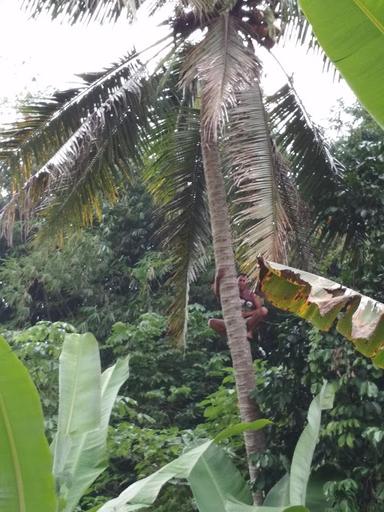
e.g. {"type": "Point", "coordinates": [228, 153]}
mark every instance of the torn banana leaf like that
{"type": "Point", "coordinates": [325, 303]}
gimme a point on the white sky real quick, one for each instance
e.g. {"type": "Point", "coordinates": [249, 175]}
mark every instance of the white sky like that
{"type": "Point", "coordinates": [36, 55]}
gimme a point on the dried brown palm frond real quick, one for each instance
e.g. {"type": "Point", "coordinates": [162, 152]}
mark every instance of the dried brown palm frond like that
{"type": "Point", "coordinates": [223, 64]}
{"type": "Point", "coordinates": [260, 217]}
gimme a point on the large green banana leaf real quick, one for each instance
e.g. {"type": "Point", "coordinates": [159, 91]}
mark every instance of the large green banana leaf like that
{"type": "Point", "coordinates": [85, 403]}
{"type": "Point", "coordinates": [305, 447]}
{"type": "Point", "coordinates": [209, 471]}
{"type": "Point", "coordinates": [217, 484]}
{"type": "Point", "coordinates": [26, 482]}
{"type": "Point", "coordinates": [325, 303]}
{"type": "Point", "coordinates": [232, 505]}
{"type": "Point", "coordinates": [79, 396]}
{"type": "Point", "coordinates": [292, 492]}
{"type": "Point", "coordinates": [87, 457]}
{"type": "Point", "coordinates": [351, 32]}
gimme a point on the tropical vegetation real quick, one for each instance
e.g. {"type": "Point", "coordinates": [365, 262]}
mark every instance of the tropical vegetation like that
{"type": "Point", "coordinates": [184, 148]}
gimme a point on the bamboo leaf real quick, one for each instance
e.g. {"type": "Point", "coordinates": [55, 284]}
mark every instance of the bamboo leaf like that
{"type": "Point", "coordinates": [351, 33]}
{"type": "Point", "coordinates": [325, 303]}
{"type": "Point", "coordinates": [26, 482]}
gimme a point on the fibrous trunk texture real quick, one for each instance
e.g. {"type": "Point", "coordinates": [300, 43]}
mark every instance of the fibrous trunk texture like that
{"type": "Point", "coordinates": [229, 294]}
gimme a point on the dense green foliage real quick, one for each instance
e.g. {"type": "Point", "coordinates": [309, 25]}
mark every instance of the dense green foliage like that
{"type": "Point", "coordinates": [112, 280]}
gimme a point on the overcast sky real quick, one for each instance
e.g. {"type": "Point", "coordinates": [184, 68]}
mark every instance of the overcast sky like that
{"type": "Point", "coordinates": [36, 55]}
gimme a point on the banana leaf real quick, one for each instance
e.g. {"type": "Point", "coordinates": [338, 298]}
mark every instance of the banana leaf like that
{"type": "Point", "coordinates": [297, 487]}
{"type": "Point", "coordinates": [87, 457]}
{"type": "Point", "coordinates": [26, 482]}
{"type": "Point", "coordinates": [232, 505]}
{"type": "Point", "coordinates": [79, 396]}
{"type": "Point", "coordinates": [216, 483]}
{"type": "Point", "coordinates": [351, 32]}
{"type": "Point", "coordinates": [325, 303]}
{"type": "Point", "coordinates": [209, 471]}
{"type": "Point", "coordinates": [86, 398]}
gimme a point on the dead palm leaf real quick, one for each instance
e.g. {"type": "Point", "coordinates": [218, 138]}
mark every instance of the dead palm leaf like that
{"type": "Point", "coordinates": [223, 64]}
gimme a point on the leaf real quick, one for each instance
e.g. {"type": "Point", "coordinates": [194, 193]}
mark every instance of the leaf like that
{"type": "Point", "coordinates": [351, 33]}
{"type": "Point", "coordinates": [79, 396]}
{"type": "Point", "coordinates": [26, 482]}
{"type": "Point", "coordinates": [316, 171]}
{"type": "Point", "coordinates": [316, 500]}
{"type": "Point", "coordinates": [209, 472]}
{"type": "Point", "coordinates": [305, 447]}
{"type": "Point", "coordinates": [239, 428]}
{"type": "Point", "coordinates": [76, 153]}
{"type": "Point", "coordinates": [298, 486]}
{"type": "Point", "coordinates": [278, 495]}
{"type": "Point", "coordinates": [73, 11]}
{"type": "Point", "coordinates": [325, 303]}
{"type": "Point", "coordinates": [257, 172]}
{"type": "Point", "coordinates": [232, 505]}
{"type": "Point", "coordinates": [87, 457]}
{"type": "Point", "coordinates": [223, 65]}
{"type": "Point", "coordinates": [176, 181]}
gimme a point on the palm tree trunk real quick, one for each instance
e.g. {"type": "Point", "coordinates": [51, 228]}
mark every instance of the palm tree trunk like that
{"type": "Point", "coordinates": [229, 293]}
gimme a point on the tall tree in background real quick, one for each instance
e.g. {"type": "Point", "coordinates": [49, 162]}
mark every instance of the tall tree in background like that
{"type": "Point", "coordinates": [194, 123]}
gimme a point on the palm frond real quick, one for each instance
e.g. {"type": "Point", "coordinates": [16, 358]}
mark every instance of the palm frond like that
{"type": "Point", "coordinates": [296, 28]}
{"type": "Point", "coordinates": [204, 8]}
{"type": "Point", "coordinates": [176, 180]}
{"type": "Point", "coordinates": [223, 64]}
{"type": "Point", "coordinates": [257, 172]}
{"type": "Point", "coordinates": [47, 123]}
{"type": "Point", "coordinates": [315, 170]}
{"type": "Point", "coordinates": [66, 189]}
{"type": "Point", "coordinates": [83, 11]}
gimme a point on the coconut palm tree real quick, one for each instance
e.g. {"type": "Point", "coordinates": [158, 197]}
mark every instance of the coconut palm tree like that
{"type": "Point", "coordinates": [196, 123]}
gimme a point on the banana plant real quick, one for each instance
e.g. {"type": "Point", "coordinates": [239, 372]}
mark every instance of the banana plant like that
{"type": "Point", "coordinates": [86, 397]}
{"type": "Point", "coordinates": [217, 484]}
{"type": "Point", "coordinates": [26, 480]}
{"type": "Point", "coordinates": [29, 471]}
{"type": "Point", "coordinates": [325, 303]}
{"type": "Point", "coordinates": [351, 32]}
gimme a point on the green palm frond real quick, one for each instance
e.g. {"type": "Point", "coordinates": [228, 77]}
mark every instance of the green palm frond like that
{"type": "Point", "coordinates": [47, 123]}
{"type": "Point", "coordinates": [66, 189]}
{"type": "Point", "coordinates": [257, 171]}
{"type": "Point", "coordinates": [80, 10]}
{"type": "Point", "coordinates": [176, 180]}
{"type": "Point", "coordinates": [316, 171]}
{"type": "Point", "coordinates": [296, 28]}
{"type": "Point", "coordinates": [223, 64]}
